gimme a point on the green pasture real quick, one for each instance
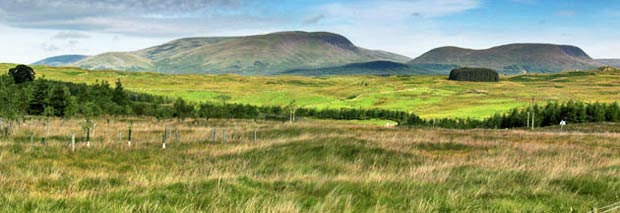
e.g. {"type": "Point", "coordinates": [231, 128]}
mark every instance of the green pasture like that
{"type": "Point", "coordinates": [428, 96]}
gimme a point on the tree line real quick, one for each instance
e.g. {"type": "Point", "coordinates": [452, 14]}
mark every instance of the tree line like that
{"type": "Point", "coordinates": [474, 74]}
{"type": "Point", "coordinates": [21, 94]}
{"type": "Point", "coordinates": [548, 114]}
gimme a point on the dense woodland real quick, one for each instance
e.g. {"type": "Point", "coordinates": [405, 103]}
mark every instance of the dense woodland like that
{"type": "Point", "coordinates": [474, 74]}
{"type": "Point", "coordinates": [549, 114]}
{"type": "Point", "coordinates": [21, 95]}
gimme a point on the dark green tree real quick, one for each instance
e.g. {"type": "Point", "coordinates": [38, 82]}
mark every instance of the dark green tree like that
{"type": "Point", "coordinates": [38, 101]}
{"type": "Point", "coordinates": [59, 99]}
{"type": "Point", "coordinates": [119, 96]}
{"type": "Point", "coordinates": [182, 109]}
{"type": "Point", "coordinates": [22, 73]}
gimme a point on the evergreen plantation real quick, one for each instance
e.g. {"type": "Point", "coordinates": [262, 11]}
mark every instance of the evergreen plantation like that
{"type": "Point", "coordinates": [42, 97]}
{"type": "Point", "coordinates": [474, 74]}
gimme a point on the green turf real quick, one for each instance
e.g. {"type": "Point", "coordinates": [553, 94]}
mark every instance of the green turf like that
{"type": "Point", "coordinates": [428, 96]}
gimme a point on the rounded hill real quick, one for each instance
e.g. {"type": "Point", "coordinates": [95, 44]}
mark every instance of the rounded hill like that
{"type": "Point", "coordinates": [249, 55]}
{"type": "Point", "coordinates": [513, 58]}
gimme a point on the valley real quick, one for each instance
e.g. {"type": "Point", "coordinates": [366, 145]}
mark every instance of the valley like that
{"type": "Point", "coordinates": [430, 96]}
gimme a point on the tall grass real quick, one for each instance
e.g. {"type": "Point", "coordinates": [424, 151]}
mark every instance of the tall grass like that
{"type": "Point", "coordinates": [306, 167]}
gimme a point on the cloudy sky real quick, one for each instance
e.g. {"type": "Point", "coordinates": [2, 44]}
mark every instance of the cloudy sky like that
{"type": "Point", "coordinates": [35, 29]}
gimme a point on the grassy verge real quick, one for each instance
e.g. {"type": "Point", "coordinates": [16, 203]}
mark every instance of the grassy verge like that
{"type": "Point", "coordinates": [308, 166]}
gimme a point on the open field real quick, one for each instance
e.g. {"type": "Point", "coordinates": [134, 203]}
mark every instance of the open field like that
{"type": "Point", "coordinates": [428, 96]}
{"type": "Point", "coordinates": [307, 166]}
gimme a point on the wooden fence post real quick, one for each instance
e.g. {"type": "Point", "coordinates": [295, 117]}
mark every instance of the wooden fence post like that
{"type": "Point", "coordinates": [176, 135]}
{"type": "Point", "coordinates": [533, 124]}
{"type": "Point", "coordinates": [528, 120]}
{"type": "Point", "coordinates": [72, 142]}
{"type": "Point", "coordinates": [165, 134]}
{"type": "Point", "coordinates": [88, 136]}
{"type": "Point", "coordinates": [163, 140]}
{"type": "Point", "coordinates": [129, 135]}
{"type": "Point", "coordinates": [224, 135]}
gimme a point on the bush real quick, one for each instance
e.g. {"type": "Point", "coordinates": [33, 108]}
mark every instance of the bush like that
{"type": "Point", "coordinates": [474, 74]}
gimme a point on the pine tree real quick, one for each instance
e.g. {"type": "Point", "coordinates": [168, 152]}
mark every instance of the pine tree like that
{"type": "Point", "coordinates": [119, 96]}
{"type": "Point", "coordinates": [38, 102]}
{"type": "Point", "coordinates": [59, 99]}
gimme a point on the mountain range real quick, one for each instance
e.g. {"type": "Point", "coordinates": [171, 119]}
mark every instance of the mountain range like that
{"type": "Point", "coordinates": [610, 62]}
{"type": "Point", "coordinates": [250, 55]}
{"type": "Point", "coordinates": [512, 58]}
{"type": "Point", "coordinates": [324, 53]}
{"type": "Point", "coordinates": [63, 60]}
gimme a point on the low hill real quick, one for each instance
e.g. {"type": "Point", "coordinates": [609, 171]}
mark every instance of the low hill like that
{"type": "Point", "coordinates": [250, 55]}
{"type": "Point", "coordinates": [610, 62]}
{"type": "Point", "coordinates": [512, 58]}
{"type": "Point", "coordinates": [62, 60]}
{"type": "Point", "coordinates": [379, 68]}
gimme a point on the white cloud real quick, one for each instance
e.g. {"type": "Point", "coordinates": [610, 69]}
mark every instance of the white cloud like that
{"type": "Point", "coordinates": [398, 9]}
{"type": "Point", "coordinates": [70, 35]}
{"type": "Point", "coordinates": [566, 13]}
{"type": "Point", "coordinates": [405, 27]}
{"type": "Point", "coordinates": [313, 19]}
{"type": "Point", "coordinates": [29, 45]}
{"type": "Point", "coordinates": [35, 29]}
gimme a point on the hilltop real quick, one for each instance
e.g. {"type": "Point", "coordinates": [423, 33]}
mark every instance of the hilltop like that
{"type": "Point", "coordinates": [512, 58]}
{"type": "Point", "coordinates": [61, 60]}
{"type": "Point", "coordinates": [249, 55]}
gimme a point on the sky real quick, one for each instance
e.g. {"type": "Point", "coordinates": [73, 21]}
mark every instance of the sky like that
{"type": "Point", "coordinates": [31, 30]}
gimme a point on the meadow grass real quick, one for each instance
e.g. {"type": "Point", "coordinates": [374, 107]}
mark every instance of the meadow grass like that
{"type": "Point", "coordinates": [308, 166]}
{"type": "Point", "coordinates": [427, 96]}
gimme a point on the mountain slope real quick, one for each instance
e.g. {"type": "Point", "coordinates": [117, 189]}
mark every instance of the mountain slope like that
{"type": "Point", "coordinates": [512, 58]}
{"type": "Point", "coordinates": [61, 60]}
{"type": "Point", "coordinates": [610, 62]}
{"type": "Point", "coordinates": [260, 54]}
{"type": "Point", "coordinates": [380, 68]}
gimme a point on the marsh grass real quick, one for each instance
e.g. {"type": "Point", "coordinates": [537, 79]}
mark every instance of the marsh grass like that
{"type": "Point", "coordinates": [308, 166]}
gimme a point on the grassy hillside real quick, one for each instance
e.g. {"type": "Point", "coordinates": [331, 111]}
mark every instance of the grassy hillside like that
{"type": "Point", "coordinates": [380, 68]}
{"type": "Point", "coordinates": [251, 55]}
{"type": "Point", "coordinates": [513, 58]}
{"type": "Point", "coordinates": [61, 60]}
{"type": "Point", "coordinates": [306, 167]}
{"type": "Point", "coordinates": [427, 96]}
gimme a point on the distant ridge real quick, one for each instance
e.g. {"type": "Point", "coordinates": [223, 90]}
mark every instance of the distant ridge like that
{"type": "Point", "coordinates": [511, 58]}
{"type": "Point", "coordinates": [250, 55]}
{"type": "Point", "coordinates": [380, 68]}
{"type": "Point", "coordinates": [61, 60]}
{"type": "Point", "coordinates": [610, 62]}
